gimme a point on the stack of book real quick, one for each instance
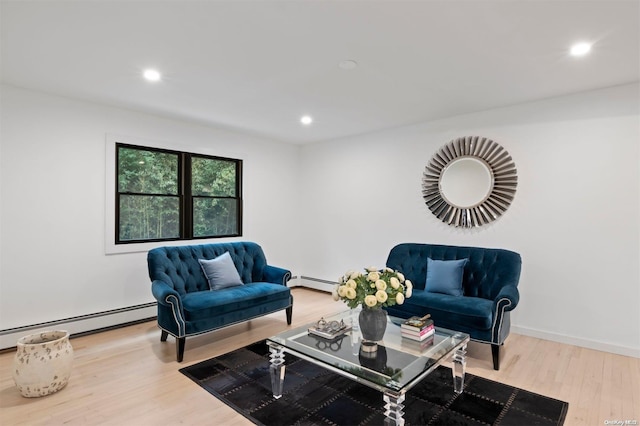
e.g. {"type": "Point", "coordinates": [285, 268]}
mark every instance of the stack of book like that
{"type": "Point", "coordinates": [419, 329]}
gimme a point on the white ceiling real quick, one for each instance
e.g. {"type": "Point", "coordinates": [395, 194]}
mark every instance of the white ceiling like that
{"type": "Point", "coordinates": [258, 66]}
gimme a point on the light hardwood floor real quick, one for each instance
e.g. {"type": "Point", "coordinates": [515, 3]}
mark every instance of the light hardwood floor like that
{"type": "Point", "coordinates": [128, 377]}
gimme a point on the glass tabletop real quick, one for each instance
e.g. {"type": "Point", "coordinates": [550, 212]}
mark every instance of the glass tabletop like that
{"type": "Point", "coordinates": [397, 364]}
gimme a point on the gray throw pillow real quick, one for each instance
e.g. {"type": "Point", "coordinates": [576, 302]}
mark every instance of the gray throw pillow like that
{"type": "Point", "coordinates": [220, 272]}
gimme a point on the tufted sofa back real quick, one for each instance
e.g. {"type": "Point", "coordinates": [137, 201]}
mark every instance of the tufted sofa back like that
{"type": "Point", "coordinates": [487, 271]}
{"type": "Point", "coordinates": [179, 267]}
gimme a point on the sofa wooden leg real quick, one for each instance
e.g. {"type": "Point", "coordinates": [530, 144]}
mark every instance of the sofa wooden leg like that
{"type": "Point", "coordinates": [163, 335]}
{"type": "Point", "coordinates": [180, 348]}
{"type": "Point", "coordinates": [495, 351]}
{"type": "Point", "coordinates": [289, 314]}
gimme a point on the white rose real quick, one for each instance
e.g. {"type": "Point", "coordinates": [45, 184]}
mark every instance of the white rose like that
{"type": "Point", "coordinates": [409, 292]}
{"type": "Point", "coordinates": [370, 301]}
{"type": "Point", "coordinates": [400, 276]}
{"type": "Point", "coordinates": [408, 283]}
{"type": "Point", "coordinates": [351, 283]}
{"type": "Point", "coordinates": [373, 276]}
{"type": "Point", "coordinates": [381, 285]}
{"type": "Point", "coordinates": [381, 296]}
{"type": "Point", "coordinates": [342, 290]}
{"type": "Point", "coordinates": [355, 275]}
{"type": "Point", "coordinates": [387, 269]}
{"type": "Point", "coordinates": [335, 295]}
{"type": "Point", "coordinates": [351, 293]}
{"type": "Point", "coordinates": [399, 298]}
{"type": "Point", "coordinates": [371, 269]}
{"type": "Point", "coordinates": [394, 283]}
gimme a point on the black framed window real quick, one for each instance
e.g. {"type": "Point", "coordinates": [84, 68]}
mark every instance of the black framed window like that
{"type": "Point", "coordinates": [164, 195]}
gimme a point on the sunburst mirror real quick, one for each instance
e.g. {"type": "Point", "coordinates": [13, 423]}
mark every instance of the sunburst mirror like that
{"type": "Point", "coordinates": [469, 182]}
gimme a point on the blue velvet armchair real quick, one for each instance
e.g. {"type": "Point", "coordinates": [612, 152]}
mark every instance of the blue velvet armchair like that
{"type": "Point", "coordinates": [187, 306]}
{"type": "Point", "coordinates": [489, 283]}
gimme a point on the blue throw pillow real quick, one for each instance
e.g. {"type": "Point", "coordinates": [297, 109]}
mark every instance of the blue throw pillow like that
{"type": "Point", "coordinates": [220, 272]}
{"type": "Point", "coordinates": [445, 276]}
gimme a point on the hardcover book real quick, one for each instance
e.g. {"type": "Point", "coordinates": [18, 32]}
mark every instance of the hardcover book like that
{"type": "Point", "coordinates": [417, 323]}
{"type": "Point", "coordinates": [416, 332]}
{"type": "Point", "coordinates": [416, 336]}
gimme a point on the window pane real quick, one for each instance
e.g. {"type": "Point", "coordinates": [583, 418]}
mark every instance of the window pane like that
{"type": "Point", "coordinates": [213, 217]}
{"type": "Point", "coordinates": [147, 172]}
{"type": "Point", "coordinates": [212, 177]}
{"type": "Point", "coordinates": [145, 217]}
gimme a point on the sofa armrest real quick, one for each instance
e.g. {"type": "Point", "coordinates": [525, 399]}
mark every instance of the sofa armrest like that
{"type": "Point", "coordinates": [163, 294]}
{"type": "Point", "coordinates": [508, 298]}
{"type": "Point", "coordinates": [171, 318]}
{"type": "Point", "coordinates": [273, 274]}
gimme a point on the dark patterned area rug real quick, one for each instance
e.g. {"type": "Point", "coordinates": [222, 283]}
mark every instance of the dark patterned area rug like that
{"type": "Point", "coordinates": [315, 396]}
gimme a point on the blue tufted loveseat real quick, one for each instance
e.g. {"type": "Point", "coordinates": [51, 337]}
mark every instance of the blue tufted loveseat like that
{"type": "Point", "coordinates": [186, 305]}
{"type": "Point", "coordinates": [490, 290]}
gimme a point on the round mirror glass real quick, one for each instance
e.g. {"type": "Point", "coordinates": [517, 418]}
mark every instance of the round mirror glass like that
{"type": "Point", "coordinates": [466, 182]}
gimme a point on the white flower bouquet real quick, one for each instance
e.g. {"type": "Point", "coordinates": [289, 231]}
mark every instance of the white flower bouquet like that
{"type": "Point", "coordinates": [373, 289]}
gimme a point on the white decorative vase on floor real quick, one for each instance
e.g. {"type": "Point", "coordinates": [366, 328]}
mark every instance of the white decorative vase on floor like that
{"type": "Point", "coordinates": [42, 364]}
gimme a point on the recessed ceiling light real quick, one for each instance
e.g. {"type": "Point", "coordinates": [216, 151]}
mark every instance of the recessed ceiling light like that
{"type": "Point", "coordinates": [348, 64]}
{"type": "Point", "coordinates": [151, 75]}
{"type": "Point", "coordinates": [580, 49]}
{"type": "Point", "coordinates": [306, 120]}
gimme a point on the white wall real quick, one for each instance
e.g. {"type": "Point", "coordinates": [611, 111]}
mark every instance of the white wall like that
{"type": "Point", "coordinates": [52, 181]}
{"type": "Point", "coordinates": [575, 219]}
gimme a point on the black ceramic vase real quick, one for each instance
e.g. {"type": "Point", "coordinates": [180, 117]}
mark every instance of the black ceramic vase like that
{"type": "Point", "coordinates": [373, 323]}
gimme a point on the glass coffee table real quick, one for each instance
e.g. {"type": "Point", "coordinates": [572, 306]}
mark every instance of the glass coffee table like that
{"type": "Point", "coordinates": [394, 366]}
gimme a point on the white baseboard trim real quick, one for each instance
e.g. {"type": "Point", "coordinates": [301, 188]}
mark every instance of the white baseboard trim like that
{"type": "Point", "coordinates": [81, 324]}
{"type": "Point", "coordinates": [577, 341]}
{"type": "Point", "coordinates": [314, 283]}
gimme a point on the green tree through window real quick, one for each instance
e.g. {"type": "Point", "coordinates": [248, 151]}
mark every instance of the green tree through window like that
{"type": "Point", "coordinates": [215, 205]}
{"type": "Point", "coordinates": [171, 195]}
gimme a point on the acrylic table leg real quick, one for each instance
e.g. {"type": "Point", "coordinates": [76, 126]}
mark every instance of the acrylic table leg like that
{"type": "Point", "coordinates": [393, 409]}
{"type": "Point", "coordinates": [459, 365]}
{"type": "Point", "coordinates": [276, 369]}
